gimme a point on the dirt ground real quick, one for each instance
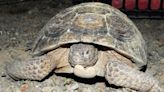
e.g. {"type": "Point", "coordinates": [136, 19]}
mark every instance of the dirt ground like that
{"type": "Point", "coordinates": [19, 26]}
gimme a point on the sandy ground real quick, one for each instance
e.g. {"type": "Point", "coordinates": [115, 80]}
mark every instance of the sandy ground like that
{"type": "Point", "coordinates": [19, 26]}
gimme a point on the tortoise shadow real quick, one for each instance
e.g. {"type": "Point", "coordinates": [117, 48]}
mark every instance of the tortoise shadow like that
{"type": "Point", "coordinates": [89, 81]}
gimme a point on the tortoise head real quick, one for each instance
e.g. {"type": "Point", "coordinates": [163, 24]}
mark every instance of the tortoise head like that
{"type": "Point", "coordinates": [83, 54]}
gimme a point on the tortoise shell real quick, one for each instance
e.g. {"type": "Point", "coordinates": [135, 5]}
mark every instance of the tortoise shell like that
{"type": "Point", "coordinates": [94, 23]}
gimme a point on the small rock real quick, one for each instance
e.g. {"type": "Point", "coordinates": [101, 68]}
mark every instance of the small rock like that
{"type": "Point", "coordinates": [161, 77]}
{"type": "Point", "coordinates": [16, 33]}
{"type": "Point", "coordinates": [24, 87]}
{"type": "Point", "coordinates": [161, 61]}
{"type": "Point", "coordinates": [75, 86]}
{"type": "Point", "coordinates": [160, 50]}
{"type": "Point", "coordinates": [153, 56]}
{"type": "Point", "coordinates": [34, 89]}
{"type": "Point", "coordinates": [57, 89]}
{"type": "Point", "coordinates": [29, 45]}
{"type": "Point", "coordinates": [49, 89]}
{"type": "Point", "coordinates": [161, 39]}
{"type": "Point", "coordinates": [11, 89]}
{"type": "Point", "coordinates": [2, 70]}
{"type": "Point", "coordinates": [67, 81]}
{"type": "Point", "coordinates": [100, 86]}
{"type": "Point", "coordinates": [152, 70]}
{"type": "Point", "coordinates": [72, 87]}
{"type": "Point", "coordinates": [32, 11]}
{"type": "Point", "coordinates": [85, 90]}
{"type": "Point", "coordinates": [1, 32]}
{"type": "Point", "coordinates": [47, 83]}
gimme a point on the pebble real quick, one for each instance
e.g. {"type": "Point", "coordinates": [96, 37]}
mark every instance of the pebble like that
{"type": "Point", "coordinates": [86, 90]}
{"type": "Point", "coordinates": [160, 51]}
{"type": "Point", "coordinates": [161, 77]}
{"type": "Point", "coordinates": [161, 39]}
{"type": "Point", "coordinates": [72, 87]}
{"type": "Point", "coordinates": [49, 89]}
{"type": "Point", "coordinates": [153, 56]}
{"type": "Point", "coordinates": [162, 61]}
{"type": "Point", "coordinates": [100, 86]}
{"type": "Point", "coordinates": [57, 89]}
{"type": "Point", "coordinates": [33, 89]}
{"type": "Point", "coordinates": [24, 87]}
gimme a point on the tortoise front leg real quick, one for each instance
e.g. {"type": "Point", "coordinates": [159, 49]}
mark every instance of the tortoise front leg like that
{"type": "Point", "coordinates": [38, 68]}
{"type": "Point", "coordinates": [120, 74]}
{"type": "Point", "coordinates": [34, 69]}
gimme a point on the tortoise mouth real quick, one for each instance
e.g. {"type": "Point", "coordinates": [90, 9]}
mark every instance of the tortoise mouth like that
{"type": "Point", "coordinates": [80, 71]}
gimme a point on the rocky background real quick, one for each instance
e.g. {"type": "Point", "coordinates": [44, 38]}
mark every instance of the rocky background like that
{"type": "Point", "coordinates": [19, 26]}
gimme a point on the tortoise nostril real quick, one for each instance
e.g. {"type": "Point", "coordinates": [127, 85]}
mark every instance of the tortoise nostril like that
{"type": "Point", "coordinates": [87, 52]}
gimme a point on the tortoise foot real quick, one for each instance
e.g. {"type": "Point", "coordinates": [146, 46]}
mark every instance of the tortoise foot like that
{"type": "Point", "coordinates": [120, 74]}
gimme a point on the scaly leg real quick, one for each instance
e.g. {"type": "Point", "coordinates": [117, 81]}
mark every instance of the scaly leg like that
{"type": "Point", "coordinates": [34, 69]}
{"type": "Point", "coordinates": [120, 74]}
{"type": "Point", "coordinates": [38, 68]}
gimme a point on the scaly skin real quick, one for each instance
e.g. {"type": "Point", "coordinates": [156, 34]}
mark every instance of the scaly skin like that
{"type": "Point", "coordinates": [36, 68]}
{"type": "Point", "coordinates": [33, 69]}
{"type": "Point", "coordinates": [120, 74]}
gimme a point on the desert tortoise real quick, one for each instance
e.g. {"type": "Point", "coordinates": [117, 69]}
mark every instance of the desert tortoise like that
{"type": "Point", "coordinates": [89, 39]}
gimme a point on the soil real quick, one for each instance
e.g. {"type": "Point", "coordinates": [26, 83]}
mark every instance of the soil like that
{"type": "Point", "coordinates": [19, 26]}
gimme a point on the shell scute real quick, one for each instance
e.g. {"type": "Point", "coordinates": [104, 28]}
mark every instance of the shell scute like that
{"type": "Point", "coordinates": [89, 24]}
{"type": "Point", "coordinates": [119, 28]}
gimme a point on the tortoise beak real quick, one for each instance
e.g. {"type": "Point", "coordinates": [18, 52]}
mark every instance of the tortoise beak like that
{"type": "Point", "coordinates": [82, 72]}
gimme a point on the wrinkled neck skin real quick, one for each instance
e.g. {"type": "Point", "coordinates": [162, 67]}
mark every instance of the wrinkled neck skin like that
{"type": "Point", "coordinates": [83, 54]}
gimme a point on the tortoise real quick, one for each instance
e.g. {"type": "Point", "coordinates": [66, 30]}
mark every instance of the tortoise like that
{"type": "Point", "coordinates": [90, 39]}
